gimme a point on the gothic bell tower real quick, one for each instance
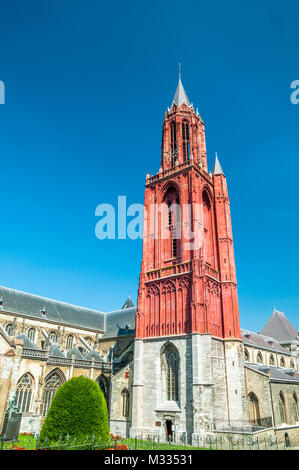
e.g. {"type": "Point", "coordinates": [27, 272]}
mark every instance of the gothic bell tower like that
{"type": "Point", "coordinates": [187, 296]}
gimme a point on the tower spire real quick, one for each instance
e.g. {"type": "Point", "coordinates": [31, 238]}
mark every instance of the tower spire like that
{"type": "Point", "coordinates": [217, 167]}
{"type": "Point", "coordinates": [180, 96]}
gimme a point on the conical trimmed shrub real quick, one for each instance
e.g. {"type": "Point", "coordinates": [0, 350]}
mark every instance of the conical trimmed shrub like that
{"type": "Point", "coordinates": [78, 409]}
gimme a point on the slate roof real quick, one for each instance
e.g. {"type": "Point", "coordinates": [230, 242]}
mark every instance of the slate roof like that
{"type": "Point", "coordinates": [77, 355]}
{"type": "Point", "coordinates": [113, 324]}
{"type": "Point", "coordinates": [128, 303]}
{"type": "Point", "coordinates": [276, 373]}
{"type": "Point", "coordinates": [279, 327]}
{"type": "Point", "coordinates": [120, 323]}
{"type": "Point", "coordinates": [22, 303]}
{"type": "Point", "coordinates": [96, 355]}
{"type": "Point", "coordinates": [55, 351]}
{"type": "Point", "coordinates": [27, 342]}
{"type": "Point", "coordinates": [261, 341]}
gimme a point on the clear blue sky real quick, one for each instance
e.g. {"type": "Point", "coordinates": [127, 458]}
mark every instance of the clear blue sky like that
{"type": "Point", "coordinates": [87, 84]}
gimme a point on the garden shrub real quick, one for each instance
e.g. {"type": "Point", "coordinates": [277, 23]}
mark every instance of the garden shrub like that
{"type": "Point", "coordinates": [78, 409]}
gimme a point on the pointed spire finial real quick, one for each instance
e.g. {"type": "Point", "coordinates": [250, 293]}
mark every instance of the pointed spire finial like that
{"type": "Point", "coordinates": [217, 167]}
{"type": "Point", "coordinates": [180, 96]}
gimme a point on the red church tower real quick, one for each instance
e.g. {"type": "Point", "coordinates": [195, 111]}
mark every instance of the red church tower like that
{"type": "Point", "coordinates": [188, 353]}
{"type": "Point", "coordinates": [184, 289]}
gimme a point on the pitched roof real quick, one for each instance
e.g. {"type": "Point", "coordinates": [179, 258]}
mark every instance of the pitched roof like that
{"type": "Point", "coordinates": [276, 373]}
{"type": "Point", "coordinates": [180, 96]}
{"type": "Point", "coordinates": [120, 323]}
{"type": "Point", "coordinates": [25, 304]}
{"type": "Point", "coordinates": [261, 341]}
{"type": "Point", "coordinates": [279, 327]}
{"type": "Point", "coordinates": [26, 341]}
{"type": "Point", "coordinates": [128, 303]}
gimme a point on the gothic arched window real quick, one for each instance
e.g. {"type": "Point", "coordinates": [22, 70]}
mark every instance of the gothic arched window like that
{"type": "Point", "coordinates": [172, 376]}
{"type": "Point", "coordinates": [259, 358]}
{"type": "Point", "coordinates": [271, 360]}
{"type": "Point", "coordinates": [69, 342]}
{"type": "Point", "coordinates": [282, 362]}
{"type": "Point", "coordinates": [292, 364]}
{"type": "Point", "coordinates": [295, 408]}
{"type": "Point", "coordinates": [172, 201]}
{"type": "Point", "coordinates": [31, 334]}
{"type": "Point", "coordinates": [89, 341]}
{"type": "Point", "coordinates": [170, 372]}
{"type": "Point", "coordinates": [246, 355]}
{"type": "Point", "coordinates": [282, 408]}
{"type": "Point", "coordinates": [24, 393]}
{"type": "Point", "coordinates": [173, 143]}
{"type": "Point", "coordinates": [125, 403]}
{"type": "Point", "coordinates": [9, 328]}
{"type": "Point", "coordinates": [53, 336]}
{"type": "Point", "coordinates": [208, 229]}
{"type": "Point", "coordinates": [254, 409]}
{"type": "Point", "coordinates": [186, 143]}
{"type": "Point", "coordinates": [52, 383]}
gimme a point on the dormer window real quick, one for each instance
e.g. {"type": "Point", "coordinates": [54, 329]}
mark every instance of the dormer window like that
{"type": "Point", "coordinates": [43, 312]}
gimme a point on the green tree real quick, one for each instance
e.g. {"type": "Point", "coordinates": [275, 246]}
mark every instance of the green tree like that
{"type": "Point", "coordinates": [78, 409]}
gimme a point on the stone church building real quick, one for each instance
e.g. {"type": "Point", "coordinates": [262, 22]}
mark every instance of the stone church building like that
{"type": "Point", "coordinates": [178, 365]}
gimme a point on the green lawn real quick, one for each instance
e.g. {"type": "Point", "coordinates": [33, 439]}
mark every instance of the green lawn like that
{"type": "Point", "coordinates": [28, 442]}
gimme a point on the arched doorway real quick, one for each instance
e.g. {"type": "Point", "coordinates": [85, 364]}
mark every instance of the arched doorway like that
{"type": "Point", "coordinates": [169, 430]}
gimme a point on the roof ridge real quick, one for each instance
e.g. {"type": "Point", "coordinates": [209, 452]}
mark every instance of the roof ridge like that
{"type": "Point", "coordinates": [48, 299]}
{"type": "Point", "coordinates": [120, 310]}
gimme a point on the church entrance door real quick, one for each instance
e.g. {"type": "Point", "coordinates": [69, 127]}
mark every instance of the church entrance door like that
{"type": "Point", "coordinates": [169, 431]}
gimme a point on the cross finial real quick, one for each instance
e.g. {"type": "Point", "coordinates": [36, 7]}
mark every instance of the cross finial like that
{"type": "Point", "coordinates": [216, 154]}
{"type": "Point", "coordinates": [180, 73]}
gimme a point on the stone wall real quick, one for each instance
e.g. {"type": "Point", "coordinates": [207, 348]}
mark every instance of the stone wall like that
{"type": "Point", "coordinates": [259, 384]}
{"type": "Point", "coordinates": [253, 352]}
{"type": "Point", "coordinates": [30, 423]}
{"type": "Point", "coordinates": [287, 389]}
{"type": "Point", "coordinates": [203, 391]}
{"type": "Point", "coordinates": [121, 381]}
{"type": "Point", "coordinates": [150, 410]}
